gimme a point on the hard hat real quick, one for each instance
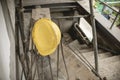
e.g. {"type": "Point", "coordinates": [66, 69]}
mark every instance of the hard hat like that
{"type": "Point", "coordinates": [46, 36]}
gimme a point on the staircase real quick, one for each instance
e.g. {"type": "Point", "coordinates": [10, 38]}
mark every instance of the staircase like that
{"type": "Point", "coordinates": [109, 65]}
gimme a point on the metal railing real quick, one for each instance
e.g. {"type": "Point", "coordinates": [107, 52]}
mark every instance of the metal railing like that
{"type": "Point", "coordinates": [115, 10]}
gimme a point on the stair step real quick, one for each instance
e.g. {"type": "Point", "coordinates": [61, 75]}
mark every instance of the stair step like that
{"type": "Point", "coordinates": [110, 60]}
{"type": "Point", "coordinates": [104, 55]}
{"type": "Point", "coordinates": [111, 71]}
{"type": "Point", "coordinates": [76, 44]}
{"type": "Point", "coordinates": [105, 61]}
{"type": "Point", "coordinates": [66, 38]}
{"type": "Point", "coordinates": [84, 50]}
{"type": "Point", "coordinates": [90, 56]}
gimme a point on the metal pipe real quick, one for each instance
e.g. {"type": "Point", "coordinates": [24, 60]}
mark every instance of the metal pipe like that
{"type": "Point", "coordinates": [50, 67]}
{"type": "Point", "coordinates": [95, 45]}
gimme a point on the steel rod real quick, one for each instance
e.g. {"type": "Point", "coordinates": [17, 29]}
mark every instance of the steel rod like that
{"type": "Point", "coordinates": [50, 67]}
{"type": "Point", "coordinates": [58, 62]}
{"type": "Point", "coordinates": [34, 73]}
{"type": "Point", "coordinates": [57, 7]}
{"type": "Point", "coordinates": [95, 45]}
{"type": "Point", "coordinates": [19, 14]}
{"type": "Point", "coordinates": [62, 52]}
{"type": "Point", "coordinates": [18, 50]}
{"type": "Point", "coordinates": [64, 60]}
{"type": "Point", "coordinates": [38, 71]}
{"type": "Point", "coordinates": [42, 66]}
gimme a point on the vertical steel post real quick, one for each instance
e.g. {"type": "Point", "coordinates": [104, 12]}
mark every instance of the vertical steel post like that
{"type": "Point", "coordinates": [95, 45]}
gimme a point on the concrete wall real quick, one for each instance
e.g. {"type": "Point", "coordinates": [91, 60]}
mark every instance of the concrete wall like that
{"type": "Point", "coordinates": [4, 49]}
{"type": "Point", "coordinates": [7, 42]}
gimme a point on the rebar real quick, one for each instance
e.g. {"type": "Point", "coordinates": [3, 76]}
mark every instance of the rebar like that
{"type": "Point", "coordinates": [58, 62]}
{"type": "Point", "coordinates": [50, 67]}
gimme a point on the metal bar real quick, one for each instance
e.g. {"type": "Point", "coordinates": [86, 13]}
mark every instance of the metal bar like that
{"type": "Point", "coordinates": [64, 60]}
{"type": "Point", "coordinates": [57, 7]}
{"type": "Point", "coordinates": [109, 6]}
{"type": "Point", "coordinates": [62, 52]}
{"type": "Point", "coordinates": [38, 70]}
{"type": "Point", "coordinates": [21, 28]}
{"type": "Point", "coordinates": [18, 51]}
{"type": "Point", "coordinates": [42, 66]}
{"type": "Point", "coordinates": [50, 67]}
{"type": "Point", "coordinates": [95, 45]}
{"type": "Point", "coordinates": [33, 78]}
{"type": "Point", "coordinates": [58, 62]}
{"type": "Point", "coordinates": [64, 17]}
{"type": "Point", "coordinates": [21, 75]}
{"type": "Point", "coordinates": [114, 20]}
{"type": "Point", "coordinates": [23, 46]}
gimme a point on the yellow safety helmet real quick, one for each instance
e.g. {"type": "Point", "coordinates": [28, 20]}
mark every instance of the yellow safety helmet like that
{"type": "Point", "coordinates": [46, 36]}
